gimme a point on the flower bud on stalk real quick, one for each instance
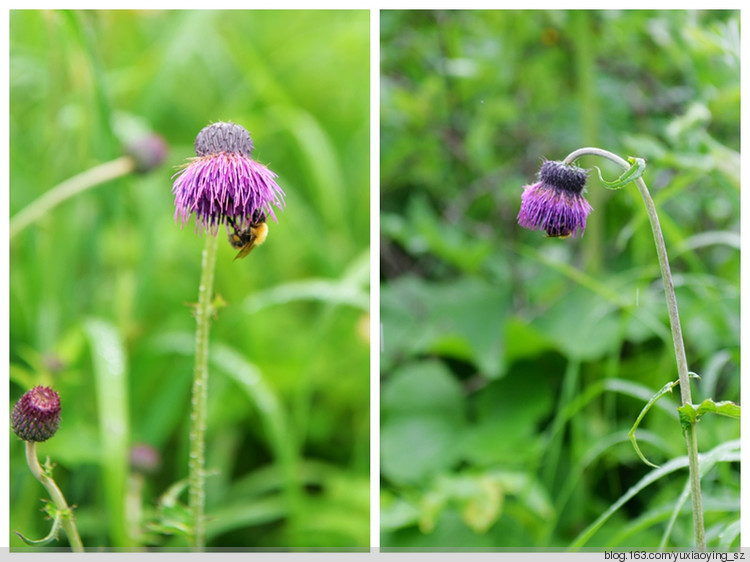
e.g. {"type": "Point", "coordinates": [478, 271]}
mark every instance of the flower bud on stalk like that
{"type": "Point", "coordinates": [36, 416]}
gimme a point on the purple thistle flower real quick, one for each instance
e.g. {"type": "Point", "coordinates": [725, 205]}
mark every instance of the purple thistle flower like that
{"type": "Point", "coordinates": [223, 184]}
{"type": "Point", "coordinates": [556, 203]}
{"type": "Point", "coordinates": [36, 416]}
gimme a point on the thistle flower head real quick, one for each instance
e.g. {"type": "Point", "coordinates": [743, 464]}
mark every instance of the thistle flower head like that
{"type": "Point", "coordinates": [223, 184]}
{"type": "Point", "coordinates": [36, 416]}
{"type": "Point", "coordinates": [556, 203]}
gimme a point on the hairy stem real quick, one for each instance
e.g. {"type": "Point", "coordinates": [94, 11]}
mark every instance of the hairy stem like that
{"type": "Point", "coordinates": [674, 321]}
{"type": "Point", "coordinates": [197, 476]}
{"type": "Point", "coordinates": [56, 495]}
{"type": "Point", "coordinates": [67, 189]}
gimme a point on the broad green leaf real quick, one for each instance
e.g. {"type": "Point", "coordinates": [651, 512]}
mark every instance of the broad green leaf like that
{"type": "Point", "coordinates": [445, 239]}
{"type": "Point", "coordinates": [396, 512]}
{"type": "Point", "coordinates": [426, 386]}
{"type": "Point", "coordinates": [462, 319]}
{"type": "Point", "coordinates": [416, 447]}
{"type": "Point", "coordinates": [524, 341]}
{"type": "Point", "coordinates": [581, 324]}
{"type": "Point", "coordinates": [508, 415]}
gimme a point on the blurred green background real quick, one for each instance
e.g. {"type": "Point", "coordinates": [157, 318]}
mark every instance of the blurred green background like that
{"type": "Point", "coordinates": [514, 365]}
{"type": "Point", "coordinates": [100, 288]}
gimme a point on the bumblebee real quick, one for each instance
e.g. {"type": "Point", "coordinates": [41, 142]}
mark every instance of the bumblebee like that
{"type": "Point", "coordinates": [557, 231]}
{"type": "Point", "coordinates": [559, 234]}
{"type": "Point", "coordinates": [246, 239]}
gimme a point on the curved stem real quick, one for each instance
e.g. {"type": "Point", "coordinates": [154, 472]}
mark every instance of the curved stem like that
{"type": "Point", "coordinates": [197, 476]}
{"type": "Point", "coordinates": [56, 495]}
{"type": "Point", "coordinates": [674, 321]}
{"type": "Point", "coordinates": [67, 189]}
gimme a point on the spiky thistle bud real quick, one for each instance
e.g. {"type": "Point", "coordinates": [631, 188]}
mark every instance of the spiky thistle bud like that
{"type": "Point", "coordinates": [36, 416]}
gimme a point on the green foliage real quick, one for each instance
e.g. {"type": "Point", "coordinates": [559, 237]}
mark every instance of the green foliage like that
{"type": "Point", "coordinates": [100, 288]}
{"type": "Point", "coordinates": [690, 415]}
{"type": "Point", "coordinates": [514, 365]}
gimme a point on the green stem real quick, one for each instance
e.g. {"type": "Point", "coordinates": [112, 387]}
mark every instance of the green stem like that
{"type": "Point", "coordinates": [585, 70]}
{"type": "Point", "coordinates": [197, 476]}
{"type": "Point", "coordinates": [691, 440]}
{"type": "Point", "coordinates": [674, 321]}
{"type": "Point", "coordinates": [67, 189]}
{"type": "Point", "coordinates": [56, 495]}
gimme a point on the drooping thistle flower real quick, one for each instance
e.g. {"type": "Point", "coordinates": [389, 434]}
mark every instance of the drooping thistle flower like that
{"type": "Point", "coordinates": [223, 184]}
{"type": "Point", "coordinates": [556, 203]}
{"type": "Point", "coordinates": [36, 416]}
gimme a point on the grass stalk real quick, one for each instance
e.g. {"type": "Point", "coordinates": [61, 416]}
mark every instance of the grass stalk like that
{"type": "Point", "coordinates": [67, 189]}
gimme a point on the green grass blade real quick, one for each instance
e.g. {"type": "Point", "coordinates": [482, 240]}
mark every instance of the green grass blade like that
{"type": "Point", "coordinates": [729, 535]}
{"type": "Point", "coordinates": [323, 290]}
{"type": "Point", "coordinates": [110, 375]}
{"type": "Point", "coordinates": [725, 452]}
{"type": "Point", "coordinates": [599, 447]}
{"type": "Point", "coordinates": [250, 380]}
{"type": "Point", "coordinates": [706, 463]}
{"type": "Point", "coordinates": [349, 290]}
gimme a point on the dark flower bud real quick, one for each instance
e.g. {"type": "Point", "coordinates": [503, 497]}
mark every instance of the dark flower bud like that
{"type": "Point", "coordinates": [148, 152]}
{"type": "Point", "coordinates": [144, 458]}
{"type": "Point", "coordinates": [36, 416]}
{"type": "Point", "coordinates": [53, 362]}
